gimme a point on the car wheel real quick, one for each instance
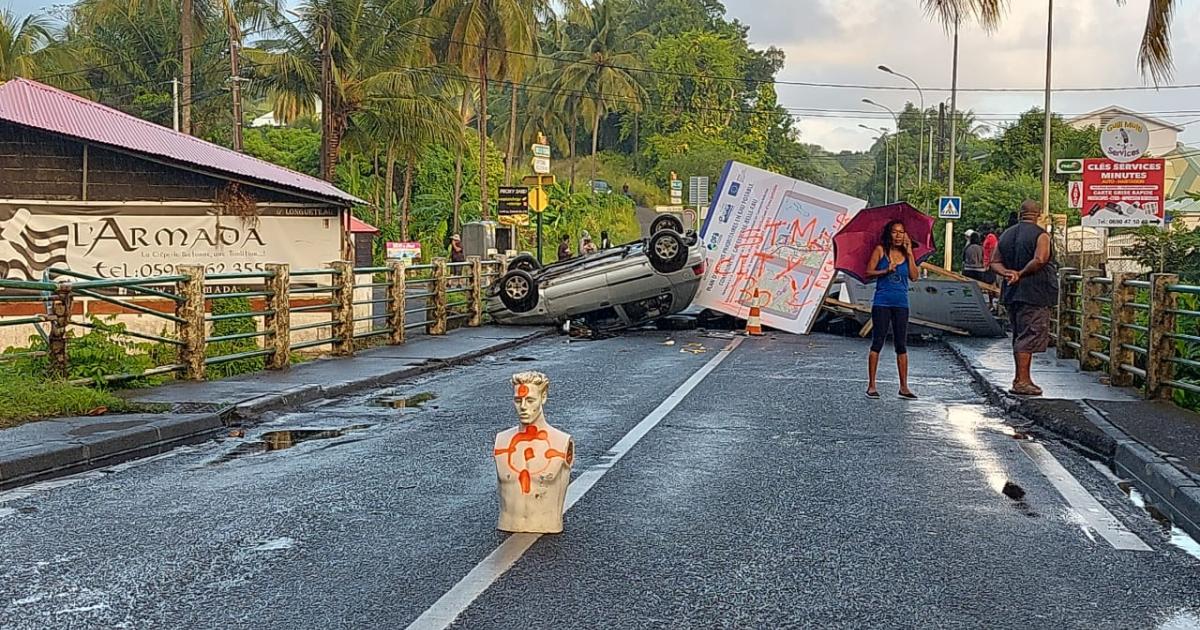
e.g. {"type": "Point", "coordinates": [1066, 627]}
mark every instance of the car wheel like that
{"type": "Point", "coordinates": [666, 222]}
{"type": "Point", "coordinates": [667, 251]}
{"type": "Point", "coordinates": [525, 262]}
{"type": "Point", "coordinates": [518, 291]}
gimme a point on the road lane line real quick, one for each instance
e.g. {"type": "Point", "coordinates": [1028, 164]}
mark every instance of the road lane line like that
{"type": "Point", "coordinates": [449, 606]}
{"type": "Point", "coordinates": [1082, 502]}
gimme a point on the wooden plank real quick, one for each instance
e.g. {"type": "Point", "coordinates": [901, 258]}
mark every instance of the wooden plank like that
{"type": "Point", "coordinates": [834, 304]}
{"type": "Point", "coordinates": [946, 273]}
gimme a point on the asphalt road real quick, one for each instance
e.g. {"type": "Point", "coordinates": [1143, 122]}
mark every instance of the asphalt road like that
{"type": "Point", "coordinates": [774, 495]}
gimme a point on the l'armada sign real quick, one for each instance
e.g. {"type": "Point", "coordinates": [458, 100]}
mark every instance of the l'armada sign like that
{"type": "Point", "coordinates": [138, 241]}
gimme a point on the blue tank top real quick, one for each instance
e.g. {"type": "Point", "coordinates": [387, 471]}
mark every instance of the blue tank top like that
{"type": "Point", "coordinates": [892, 289]}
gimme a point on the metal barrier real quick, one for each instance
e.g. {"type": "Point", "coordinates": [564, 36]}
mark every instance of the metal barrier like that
{"type": "Point", "coordinates": [348, 310]}
{"type": "Point", "coordinates": [1144, 333]}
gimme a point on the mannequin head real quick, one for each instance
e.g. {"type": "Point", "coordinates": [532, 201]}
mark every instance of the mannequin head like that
{"type": "Point", "coordinates": [529, 396]}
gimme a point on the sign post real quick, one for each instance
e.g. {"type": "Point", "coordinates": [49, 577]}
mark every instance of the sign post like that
{"type": "Point", "coordinates": [1123, 194]}
{"type": "Point", "coordinates": [676, 190]}
{"type": "Point", "coordinates": [537, 201]}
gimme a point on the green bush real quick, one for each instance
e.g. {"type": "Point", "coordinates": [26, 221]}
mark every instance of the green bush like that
{"type": "Point", "coordinates": [101, 352]}
{"type": "Point", "coordinates": [238, 325]}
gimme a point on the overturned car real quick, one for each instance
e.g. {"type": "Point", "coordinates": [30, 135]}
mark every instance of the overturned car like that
{"type": "Point", "coordinates": [615, 288]}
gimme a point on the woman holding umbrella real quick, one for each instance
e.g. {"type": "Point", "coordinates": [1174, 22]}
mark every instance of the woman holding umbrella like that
{"type": "Point", "coordinates": [892, 265]}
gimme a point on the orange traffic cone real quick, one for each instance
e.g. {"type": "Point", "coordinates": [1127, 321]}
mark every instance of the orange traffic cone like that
{"type": "Point", "coordinates": [754, 320]}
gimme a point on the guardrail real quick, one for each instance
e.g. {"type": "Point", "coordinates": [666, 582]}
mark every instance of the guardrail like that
{"type": "Point", "coordinates": [341, 308]}
{"type": "Point", "coordinates": [1144, 333]}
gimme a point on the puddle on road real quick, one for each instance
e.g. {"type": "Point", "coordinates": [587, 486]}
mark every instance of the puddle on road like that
{"type": "Point", "coordinates": [1177, 537]}
{"type": "Point", "coordinates": [523, 359]}
{"type": "Point", "coordinates": [415, 401]}
{"type": "Point", "coordinates": [285, 439]}
{"type": "Point", "coordinates": [965, 422]}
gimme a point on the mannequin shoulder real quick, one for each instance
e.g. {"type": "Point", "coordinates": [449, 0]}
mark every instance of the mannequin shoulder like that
{"type": "Point", "coordinates": [504, 437]}
{"type": "Point", "coordinates": [559, 439]}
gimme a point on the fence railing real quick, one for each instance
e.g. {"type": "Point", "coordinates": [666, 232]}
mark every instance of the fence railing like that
{"type": "Point", "coordinates": [1144, 333]}
{"type": "Point", "coordinates": [338, 308]}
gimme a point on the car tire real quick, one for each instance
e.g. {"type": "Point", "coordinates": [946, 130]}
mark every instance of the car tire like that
{"type": "Point", "coordinates": [666, 222]}
{"type": "Point", "coordinates": [518, 291]}
{"type": "Point", "coordinates": [667, 251]}
{"type": "Point", "coordinates": [525, 262]}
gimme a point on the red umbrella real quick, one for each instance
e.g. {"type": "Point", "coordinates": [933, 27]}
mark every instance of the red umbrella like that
{"type": "Point", "coordinates": [852, 246]}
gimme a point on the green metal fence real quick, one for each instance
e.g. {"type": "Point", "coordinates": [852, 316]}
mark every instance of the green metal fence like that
{"type": "Point", "coordinates": [334, 309]}
{"type": "Point", "coordinates": [1144, 333]}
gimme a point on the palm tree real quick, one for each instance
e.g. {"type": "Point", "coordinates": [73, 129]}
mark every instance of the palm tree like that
{"type": "Point", "coordinates": [407, 114]}
{"type": "Point", "coordinates": [27, 49]}
{"type": "Point", "coordinates": [348, 54]}
{"type": "Point", "coordinates": [482, 40]}
{"type": "Point", "coordinates": [1154, 55]}
{"type": "Point", "coordinates": [600, 50]}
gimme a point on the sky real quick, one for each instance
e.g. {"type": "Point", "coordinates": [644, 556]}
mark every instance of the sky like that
{"type": "Point", "coordinates": [843, 41]}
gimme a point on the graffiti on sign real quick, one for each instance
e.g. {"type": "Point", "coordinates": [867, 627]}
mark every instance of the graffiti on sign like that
{"type": "Point", "coordinates": [774, 234]}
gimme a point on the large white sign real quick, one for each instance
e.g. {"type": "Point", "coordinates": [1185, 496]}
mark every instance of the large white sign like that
{"type": "Point", "coordinates": [1124, 139]}
{"type": "Point", "coordinates": [772, 233]}
{"type": "Point", "coordinates": [142, 241]}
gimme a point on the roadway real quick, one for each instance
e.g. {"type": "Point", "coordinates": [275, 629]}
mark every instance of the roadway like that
{"type": "Point", "coordinates": [752, 488]}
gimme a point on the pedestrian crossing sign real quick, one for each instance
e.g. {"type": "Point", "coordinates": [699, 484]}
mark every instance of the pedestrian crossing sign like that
{"type": "Point", "coordinates": [949, 207]}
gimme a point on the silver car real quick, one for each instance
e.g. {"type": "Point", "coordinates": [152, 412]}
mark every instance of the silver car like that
{"type": "Point", "coordinates": [619, 287]}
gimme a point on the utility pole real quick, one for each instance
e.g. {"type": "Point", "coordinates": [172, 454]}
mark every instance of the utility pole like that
{"type": "Point", "coordinates": [235, 89]}
{"type": "Point", "coordinates": [175, 102]}
{"type": "Point", "coordinates": [949, 257]}
{"type": "Point", "coordinates": [1046, 130]}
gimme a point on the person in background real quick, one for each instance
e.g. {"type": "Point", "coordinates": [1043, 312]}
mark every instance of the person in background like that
{"type": "Point", "coordinates": [892, 266]}
{"type": "Point", "coordinates": [457, 255]}
{"type": "Point", "coordinates": [990, 241]}
{"type": "Point", "coordinates": [1025, 260]}
{"type": "Point", "coordinates": [625, 191]}
{"type": "Point", "coordinates": [605, 243]}
{"type": "Point", "coordinates": [586, 246]}
{"type": "Point", "coordinates": [564, 247]}
{"type": "Point", "coordinates": [973, 257]}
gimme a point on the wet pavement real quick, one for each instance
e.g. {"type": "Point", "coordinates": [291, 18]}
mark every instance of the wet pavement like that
{"type": "Point", "coordinates": [773, 495]}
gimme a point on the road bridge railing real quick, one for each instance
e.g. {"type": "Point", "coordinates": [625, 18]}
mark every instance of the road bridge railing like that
{"type": "Point", "coordinates": [187, 324]}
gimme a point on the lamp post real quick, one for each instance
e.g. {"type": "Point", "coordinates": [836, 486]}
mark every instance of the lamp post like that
{"type": "Point", "coordinates": [886, 158]}
{"type": "Point", "coordinates": [896, 118]}
{"type": "Point", "coordinates": [920, 126]}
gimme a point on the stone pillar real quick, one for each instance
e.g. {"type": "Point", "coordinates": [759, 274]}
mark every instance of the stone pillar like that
{"type": "Point", "coordinates": [279, 322]}
{"type": "Point", "coordinates": [476, 294]}
{"type": "Point", "coordinates": [193, 329]}
{"type": "Point", "coordinates": [503, 260]}
{"type": "Point", "coordinates": [343, 309]}
{"type": "Point", "coordinates": [60, 322]}
{"type": "Point", "coordinates": [1090, 304]}
{"type": "Point", "coordinates": [437, 323]}
{"type": "Point", "coordinates": [1162, 323]}
{"type": "Point", "coordinates": [1065, 302]}
{"type": "Point", "coordinates": [396, 302]}
{"type": "Point", "coordinates": [1122, 315]}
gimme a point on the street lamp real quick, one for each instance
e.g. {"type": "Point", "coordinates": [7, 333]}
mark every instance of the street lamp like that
{"type": "Point", "coordinates": [886, 157]}
{"type": "Point", "coordinates": [1046, 129]}
{"type": "Point", "coordinates": [920, 127]}
{"type": "Point", "coordinates": [896, 191]}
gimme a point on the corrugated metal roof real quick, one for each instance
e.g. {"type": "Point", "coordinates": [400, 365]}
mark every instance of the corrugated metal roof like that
{"type": "Point", "coordinates": [358, 225]}
{"type": "Point", "coordinates": [40, 106]}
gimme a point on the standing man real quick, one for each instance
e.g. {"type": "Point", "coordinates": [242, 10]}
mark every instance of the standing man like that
{"type": "Point", "coordinates": [564, 248]}
{"type": "Point", "coordinates": [991, 240]}
{"type": "Point", "coordinates": [457, 255]}
{"type": "Point", "coordinates": [1025, 262]}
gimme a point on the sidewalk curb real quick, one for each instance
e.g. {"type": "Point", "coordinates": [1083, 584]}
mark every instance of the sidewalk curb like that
{"type": "Point", "coordinates": [1169, 488]}
{"type": "Point", "coordinates": [49, 461]}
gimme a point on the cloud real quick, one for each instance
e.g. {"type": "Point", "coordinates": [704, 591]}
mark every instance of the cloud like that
{"type": "Point", "coordinates": [1095, 44]}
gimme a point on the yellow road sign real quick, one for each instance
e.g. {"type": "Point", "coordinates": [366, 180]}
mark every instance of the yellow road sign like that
{"type": "Point", "coordinates": [538, 199]}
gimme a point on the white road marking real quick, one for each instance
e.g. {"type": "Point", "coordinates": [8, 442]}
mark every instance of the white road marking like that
{"type": "Point", "coordinates": [449, 606]}
{"type": "Point", "coordinates": [1086, 506]}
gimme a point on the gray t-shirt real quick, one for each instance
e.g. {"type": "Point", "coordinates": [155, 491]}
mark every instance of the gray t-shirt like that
{"type": "Point", "coordinates": [973, 257]}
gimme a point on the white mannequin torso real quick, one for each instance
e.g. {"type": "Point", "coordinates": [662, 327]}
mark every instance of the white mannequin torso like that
{"type": "Point", "coordinates": [533, 470]}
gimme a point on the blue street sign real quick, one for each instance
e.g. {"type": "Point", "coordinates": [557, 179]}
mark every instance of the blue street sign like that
{"type": "Point", "coordinates": [949, 207]}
